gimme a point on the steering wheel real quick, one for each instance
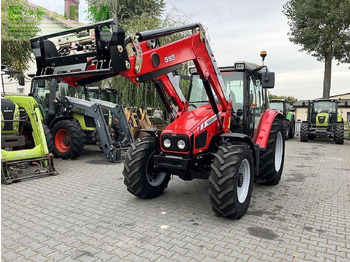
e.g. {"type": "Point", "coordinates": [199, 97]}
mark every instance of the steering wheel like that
{"type": "Point", "coordinates": [193, 105]}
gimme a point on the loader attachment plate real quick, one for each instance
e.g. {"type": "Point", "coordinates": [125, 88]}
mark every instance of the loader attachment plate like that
{"type": "Point", "coordinates": [88, 53]}
{"type": "Point", "coordinates": [14, 171]}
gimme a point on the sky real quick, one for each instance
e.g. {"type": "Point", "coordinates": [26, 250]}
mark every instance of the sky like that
{"type": "Point", "coordinates": [239, 30]}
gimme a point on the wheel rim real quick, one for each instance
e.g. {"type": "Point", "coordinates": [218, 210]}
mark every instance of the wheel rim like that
{"type": "Point", "coordinates": [243, 181]}
{"type": "Point", "coordinates": [62, 140]}
{"type": "Point", "coordinates": [278, 151]}
{"type": "Point", "coordinates": [153, 178]}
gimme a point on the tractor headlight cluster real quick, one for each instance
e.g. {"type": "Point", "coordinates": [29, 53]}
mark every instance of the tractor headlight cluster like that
{"type": "Point", "coordinates": [179, 142]}
{"type": "Point", "coordinates": [167, 143]}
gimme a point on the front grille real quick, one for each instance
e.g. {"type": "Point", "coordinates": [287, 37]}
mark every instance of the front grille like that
{"type": "Point", "coordinates": [321, 119]}
{"type": "Point", "coordinates": [201, 140]}
{"type": "Point", "coordinates": [8, 109]}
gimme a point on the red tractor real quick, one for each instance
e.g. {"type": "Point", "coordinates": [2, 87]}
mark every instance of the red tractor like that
{"type": "Point", "coordinates": [223, 132]}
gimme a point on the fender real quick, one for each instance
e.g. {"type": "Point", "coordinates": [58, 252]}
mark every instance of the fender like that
{"type": "Point", "coordinates": [59, 118]}
{"type": "Point", "coordinates": [265, 127]}
{"type": "Point", "coordinates": [290, 116]}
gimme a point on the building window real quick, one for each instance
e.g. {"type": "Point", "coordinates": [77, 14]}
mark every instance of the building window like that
{"type": "Point", "coordinates": [348, 117]}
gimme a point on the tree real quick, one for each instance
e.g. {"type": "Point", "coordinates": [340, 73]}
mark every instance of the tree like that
{"type": "Point", "coordinates": [19, 22]}
{"type": "Point", "coordinates": [288, 98]}
{"type": "Point", "coordinates": [127, 9]}
{"type": "Point", "coordinates": [322, 27]}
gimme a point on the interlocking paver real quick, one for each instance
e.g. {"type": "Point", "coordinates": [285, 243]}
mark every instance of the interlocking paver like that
{"type": "Point", "coordinates": [86, 214]}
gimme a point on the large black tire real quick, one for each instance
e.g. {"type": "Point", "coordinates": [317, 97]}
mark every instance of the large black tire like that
{"type": "Point", "coordinates": [49, 139]}
{"type": "Point", "coordinates": [291, 132]}
{"type": "Point", "coordinates": [231, 180]}
{"type": "Point", "coordinates": [140, 177]}
{"type": "Point", "coordinates": [339, 133]}
{"type": "Point", "coordinates": [272, 159]}
{"type": "Point", "coordinates": [68, 139]}
{"type": "Point", "coordinates": [304, 132]}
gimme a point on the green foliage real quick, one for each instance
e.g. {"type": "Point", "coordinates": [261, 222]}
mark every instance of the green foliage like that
{"type": "Point", "coordinates": [19, 22]}
{"type": "Point", "coordinates": [322, 27]}
{"type": "Point", "coordinates": [125, 10]}
{"type": "Point", "coordinates": [287, 98]}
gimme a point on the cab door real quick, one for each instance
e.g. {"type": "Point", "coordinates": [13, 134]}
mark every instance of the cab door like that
{"type": "Point", "coordinates": [256, 104]}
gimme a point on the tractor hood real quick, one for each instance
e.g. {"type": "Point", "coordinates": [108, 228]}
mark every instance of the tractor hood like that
{"type": "Point", "coordinates": [191, 120]}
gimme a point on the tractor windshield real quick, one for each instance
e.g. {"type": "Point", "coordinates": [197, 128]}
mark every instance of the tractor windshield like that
{"type": "Point", "coordinates": [197, 96]}
{"type": "Point", "coordinates": [41, 93]}
{"type": "Point", "coordinates": [234, 89]}
{"type": "Point", "coordinates": [324, 107]}
{"type": "Point", "coordinates": [277, 106]}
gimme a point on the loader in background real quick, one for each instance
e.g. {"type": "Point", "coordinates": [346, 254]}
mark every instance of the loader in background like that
{"type": "Point", "coordinates": [75, 121]}
{"type": "Point", "coordinates": [25, 141]}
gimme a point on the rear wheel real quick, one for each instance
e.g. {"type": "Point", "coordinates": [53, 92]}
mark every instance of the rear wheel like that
{"type": "Point", "coordinates": [339, 133]}
{"type": "Point", "coordinates": [304, 132]}
{"type": "Point", "coordinates": [68, 138]}
{"type": "Point", "coordinates": [272, 159]}
{"type": "Point", "coordinates": [231, 180]}
{"type": "Point", "coordinates": [140, 177]}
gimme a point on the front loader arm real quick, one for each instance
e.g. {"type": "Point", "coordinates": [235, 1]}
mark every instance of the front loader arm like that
{"type": "Point", "coordinates": [135, 59]}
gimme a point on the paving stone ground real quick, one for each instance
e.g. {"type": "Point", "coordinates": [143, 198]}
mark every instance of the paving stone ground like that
{"type": "Point", "coordinates": [86, 214]}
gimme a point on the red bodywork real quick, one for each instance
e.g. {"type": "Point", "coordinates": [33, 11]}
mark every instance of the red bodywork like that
{"type": "Point", "coordinates": [191, 123]}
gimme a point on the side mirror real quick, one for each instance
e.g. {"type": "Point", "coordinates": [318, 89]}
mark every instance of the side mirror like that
{"type": "Point", "coordinates": [21, 80]}
{"type": "Point", "coordinates": [268, 80]}
{"type": "Point", "coordinates": [291, 103]}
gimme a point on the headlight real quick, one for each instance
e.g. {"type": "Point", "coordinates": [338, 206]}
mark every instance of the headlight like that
{"type": "Point", "coordinates": [181, 144]}
{"type": "Point", "coordinates": [167, 143]}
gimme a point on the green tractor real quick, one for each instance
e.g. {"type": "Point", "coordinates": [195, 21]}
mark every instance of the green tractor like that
{"type": "Point", "coordinates": [74, 122]}
{"type": "Point", "coordinates": [283, 106]}
{"type": "Point", "coordinates": [25, 141]}
{"type": "Point", "coordinates": [323, 120]}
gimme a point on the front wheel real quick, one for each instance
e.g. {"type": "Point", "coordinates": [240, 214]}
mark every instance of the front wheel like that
{"type": "Point", "coordinates": [231, 180]}
{"type": "Point", "coordinates": [272, 159]}
{"type": "Point", "coordinates": [68, 138]}
{"type": "Point", "coordinates": [140, 177]}
{"type": "Point", "coordinates": [339, 133]}
{"type": "Point", "coordinates": [304, 132]}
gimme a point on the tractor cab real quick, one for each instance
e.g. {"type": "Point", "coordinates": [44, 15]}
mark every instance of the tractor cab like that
{"type": "Point", "coordinates": [279, 104]}
{"type": "Point", "coordinates": [245, 86]}
{"type": "Point", "coordinates": [104, 94]}
{"type": "Point", "coordinates": [323, 112]}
